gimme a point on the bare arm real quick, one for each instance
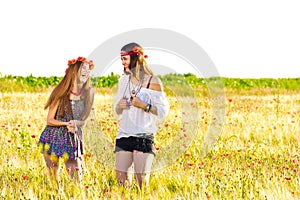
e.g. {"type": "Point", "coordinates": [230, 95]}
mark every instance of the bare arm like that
{"type": "Point", "coordinates": [154, 85]}
{"type": "Point", "coordinates": [157, 86]}
{"type": "Point", "coordinates": [51, 121]}
{"type": "Point", "coordinates": [121, 106]}
{"type": "Point", "coordinates": [121, 103]}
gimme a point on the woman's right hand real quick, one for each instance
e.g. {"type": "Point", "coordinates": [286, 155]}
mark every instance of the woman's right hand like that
{"type": "Point", "coordinates": [123, 103]}
{"type": "Point", "coordinates": [71, 126]}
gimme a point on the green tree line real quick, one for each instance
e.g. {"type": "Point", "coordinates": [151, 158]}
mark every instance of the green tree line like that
{"type": "Point", "coordinates": [9, 83]}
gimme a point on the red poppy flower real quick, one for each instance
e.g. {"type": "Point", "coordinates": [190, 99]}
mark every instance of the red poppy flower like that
{"type": "Point", "coordinates": [82, 59]}
{"type": "Point", "coordinates": [135, 49]}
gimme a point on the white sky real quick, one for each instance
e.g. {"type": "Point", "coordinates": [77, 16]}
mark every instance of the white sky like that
{"type": "Point", "coordinates": [258, 38]}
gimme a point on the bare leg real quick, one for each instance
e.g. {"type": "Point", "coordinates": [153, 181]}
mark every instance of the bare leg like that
{"type": "Point", "coordinates": [123, 162]}
{"type": "Point", "coordinates": [74, 169]}
{"type": "Point", "coordinates": [53, 169]}
{"type": "Point", "coordinates": [142, 167]}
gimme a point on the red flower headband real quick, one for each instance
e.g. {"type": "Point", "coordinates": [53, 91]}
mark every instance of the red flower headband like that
{"type": "Point", "coordinates": [134, 51]}
{"type": "Point", "coordinates": [80, 59]}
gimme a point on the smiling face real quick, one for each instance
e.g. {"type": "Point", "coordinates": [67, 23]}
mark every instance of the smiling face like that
{"type": "Point", "coordinates": [84, 72]}
{"type": "Point", "coordinates": [126, 62]}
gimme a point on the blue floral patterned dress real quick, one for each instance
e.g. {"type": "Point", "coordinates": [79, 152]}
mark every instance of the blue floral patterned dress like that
{"type": "Point", "coordinates": [56, 140]}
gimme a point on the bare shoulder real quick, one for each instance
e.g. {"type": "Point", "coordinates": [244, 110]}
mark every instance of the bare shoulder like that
{"type": "Point", "coordinates": [156, 84]}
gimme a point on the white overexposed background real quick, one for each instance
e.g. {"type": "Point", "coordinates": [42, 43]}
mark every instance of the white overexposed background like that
{"type": "Point", "coordinates": [254, 39]}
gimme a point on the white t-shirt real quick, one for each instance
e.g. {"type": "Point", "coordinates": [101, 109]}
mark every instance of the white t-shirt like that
{"type": "Point", "coordinates": [135, 121]}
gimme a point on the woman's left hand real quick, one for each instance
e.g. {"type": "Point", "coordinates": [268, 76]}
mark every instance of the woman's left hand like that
{"type": "Point", "coordinates": [72, 127]}
{"type": "Point", "coordinates": [135, 101]}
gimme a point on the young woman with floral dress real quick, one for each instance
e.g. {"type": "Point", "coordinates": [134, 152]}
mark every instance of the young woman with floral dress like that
{"type": "Point", "coordinates": [69, 106]}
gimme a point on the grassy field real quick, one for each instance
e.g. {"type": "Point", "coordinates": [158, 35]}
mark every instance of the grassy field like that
{"type": "Point", "coordinates": [255, 157]}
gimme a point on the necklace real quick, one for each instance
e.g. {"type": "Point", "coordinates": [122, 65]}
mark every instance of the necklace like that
{"type": "Point", "coordinates": [76, 93]}
{"type": "Point", "coordinates": [136, 89]}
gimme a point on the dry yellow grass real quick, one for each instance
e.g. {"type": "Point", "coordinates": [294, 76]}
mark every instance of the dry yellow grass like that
{"type": "Point", "coordinates": [256, 156]}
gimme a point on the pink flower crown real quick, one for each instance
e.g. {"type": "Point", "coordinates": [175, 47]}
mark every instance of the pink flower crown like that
{"type": "Point", "coordinates": [80, 59]}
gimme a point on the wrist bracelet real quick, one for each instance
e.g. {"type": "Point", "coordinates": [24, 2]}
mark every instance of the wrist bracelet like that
{"type": "Point", "coordinates": [148, 107]}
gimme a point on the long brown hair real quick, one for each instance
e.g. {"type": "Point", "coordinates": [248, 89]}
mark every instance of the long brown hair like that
{"type": "Point", "coordinates": [61, 93]}
{"type": "Point", "coordinates": [138, 64]}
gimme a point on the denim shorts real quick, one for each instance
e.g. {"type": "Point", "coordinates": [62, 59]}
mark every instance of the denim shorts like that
{"type": "Point", "coordinates": [145, 145]}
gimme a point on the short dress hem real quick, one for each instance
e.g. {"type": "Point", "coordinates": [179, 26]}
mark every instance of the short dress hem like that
{"type": "Point", "coordinates": [57, 141]}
